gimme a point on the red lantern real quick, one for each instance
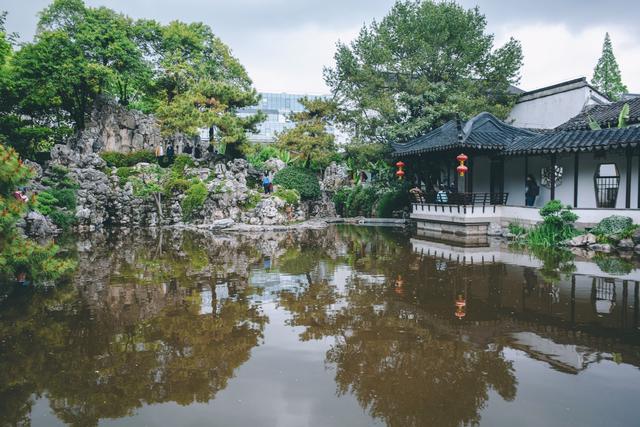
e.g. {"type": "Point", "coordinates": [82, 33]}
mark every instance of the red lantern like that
{"type": "Point", "coordinates": [462, 169]}
{"type": "Point", "coordinates": [400, 172]}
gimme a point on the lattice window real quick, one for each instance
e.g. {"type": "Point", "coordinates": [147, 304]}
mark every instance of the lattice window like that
{"type": "Point", "coordinates": [607, 183]}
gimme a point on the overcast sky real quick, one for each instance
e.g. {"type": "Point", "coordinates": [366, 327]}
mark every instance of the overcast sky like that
{"type": "Point", "coordinates": [285, 43]}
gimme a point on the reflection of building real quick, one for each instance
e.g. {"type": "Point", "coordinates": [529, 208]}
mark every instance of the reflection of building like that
{"type": "Point", "coordinates": [564, 357]}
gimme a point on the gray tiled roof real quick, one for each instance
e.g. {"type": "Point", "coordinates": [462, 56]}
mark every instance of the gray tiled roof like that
{"type": "Point", "coordinates": [606, 115]}
{"type": "Point", "coordinates": [486, 132]}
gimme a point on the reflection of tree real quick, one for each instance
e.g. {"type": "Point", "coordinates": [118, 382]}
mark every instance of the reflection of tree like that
{"type": "Point", "coordinates": [96, 361]}
{"type": "Point", "coordinates": [393, 356]}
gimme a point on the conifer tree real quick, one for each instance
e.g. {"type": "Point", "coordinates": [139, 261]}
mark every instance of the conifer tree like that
{"type": "Point", "coordinates": [606, 75]}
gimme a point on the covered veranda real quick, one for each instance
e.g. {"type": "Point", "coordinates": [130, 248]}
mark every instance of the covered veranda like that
{"type": "Point", "coordinates": [594, 171]}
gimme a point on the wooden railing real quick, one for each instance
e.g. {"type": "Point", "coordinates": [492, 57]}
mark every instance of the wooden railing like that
{"type": "Point", "coordinates": [460, 199]}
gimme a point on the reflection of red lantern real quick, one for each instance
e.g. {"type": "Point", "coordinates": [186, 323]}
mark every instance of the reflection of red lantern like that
{"type": "Point", "coordinates": [400, 172]}
{"type": "Point", "coordinates": [399, 285]}
{"type": "Point", "coordinates": [462, 169]}
{"type": "Point", "coordinates": [461, 307]}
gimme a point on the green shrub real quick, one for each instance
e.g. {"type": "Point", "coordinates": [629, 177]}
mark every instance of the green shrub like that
{"type": "Point", "coordinates": [45, 202]}
{"type": "Point", "coordinates": [558, 225]}
{"type": "Point", "coordinates": [340, 200]}
{"type": "Point", "coordinates": [252, 201]}
{"type": "Point", "coordinates": [196, 194]}
{"type": "Point", "coordinates": [391, 201]}
{"type": "Point", "coordinates": [361, 201]}
{"type": "Point", "coordinates": [181, 162]}
{"type": "Point", "coordinates": [614, 227]}
{"type": "Point", "coordinates": [175, 184]}
{"type": "Point", "coordinates": [62, 219]}
{"type": "Point", "coordinates": [301, 180]}
{"type": "Point", "coordinates": [66, 197]}
{"type": "Point", "coordinates": [124, 173]}
{"type": "Point", "coordinates": [290, 196]}
{"type": "Point", "coordinates": [118, 160]}
{"type": "Point", "coordinates": [516, 229]}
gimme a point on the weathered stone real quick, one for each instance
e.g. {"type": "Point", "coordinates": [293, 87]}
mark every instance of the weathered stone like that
{"type": "Point", "coordinates": [274, 165]}
{"type": "Point", "coordinates": [335, 177]}
{"type": "Point", "coordinates": [625, 245]}
{"type": "Point", "coordinates": [38, 225]}
{"type": "Point", "coordinates": [601, 247]}
{"type": "Point", "coordinates": [636, 236]}
{"type": "Point", "coordinates": [583, 240]}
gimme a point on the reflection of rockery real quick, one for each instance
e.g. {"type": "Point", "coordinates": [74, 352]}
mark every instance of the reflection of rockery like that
{"type": "Point", "coordinates": [603, 295]}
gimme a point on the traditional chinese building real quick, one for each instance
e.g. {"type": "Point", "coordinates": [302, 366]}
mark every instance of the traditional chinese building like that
{"type": "Point", "coordinates": [597, 172]}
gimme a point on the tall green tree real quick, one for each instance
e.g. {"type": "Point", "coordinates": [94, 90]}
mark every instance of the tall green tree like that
{"type": "Point", "coordinates": [309, 139]}
{"type": "Point", "coordinates": [606, 75]}
{"type": "Point", "coordinates": [417, 67]}
{"type": "Point", "coordinates": [197, 81]}
{"type": "Point", "coordinates": [107, 40]}
{"type": "Point", "coordinates": [18, 254]}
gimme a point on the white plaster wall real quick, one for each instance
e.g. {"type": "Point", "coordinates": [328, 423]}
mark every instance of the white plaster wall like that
{"type": "Point", "coordinates": [514, 180]}
{"type": "Point", "coordinates": [549, 111]}
{"type": "Point", "coordinates": [587, 164]}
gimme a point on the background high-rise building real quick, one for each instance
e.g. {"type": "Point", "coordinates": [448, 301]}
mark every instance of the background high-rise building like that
{"type": "Point", "coordinates": [277, 107]}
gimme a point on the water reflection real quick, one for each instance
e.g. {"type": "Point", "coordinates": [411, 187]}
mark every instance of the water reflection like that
{"type": "Point", "coordinates": [416, 332]}
{"type": "Point", "coordinates": [130, 331]}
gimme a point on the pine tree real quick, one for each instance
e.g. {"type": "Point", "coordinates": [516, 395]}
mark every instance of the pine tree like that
{"type": "Point", "coordinates": [606, 75]}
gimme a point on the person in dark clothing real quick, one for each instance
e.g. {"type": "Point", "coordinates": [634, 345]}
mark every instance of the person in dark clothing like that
{"type": "Point", "coordinates": [187, 149]}
{"type": "Point", "coordinates": [170, 153]}
{"type": "Point", "coordinates": [197, 152]}
{"type": "Point", "coordinates": [532, 191]}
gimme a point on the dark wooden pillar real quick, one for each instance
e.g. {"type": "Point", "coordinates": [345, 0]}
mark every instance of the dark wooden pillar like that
{"type": "Point", "coordinates": [575, 180]}
{"type": "Point", "coordinates": [553, 176]}
{"type": "Point", "coordinates": [627, 203]}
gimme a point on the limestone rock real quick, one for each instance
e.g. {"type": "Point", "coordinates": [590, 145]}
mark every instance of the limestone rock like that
{"type": "Point", "coordinates": [335, 177]}
{"type": "Point", "coordinates": [601, 247]}
{"type": "Point", "coordinates": [274, 165]}
{"type": "Point", "coordinates": [625, 245]}
{"type": "Point", "coordinates": [38, 225]}
{"type": "Point", "coordinates": [583, 240]}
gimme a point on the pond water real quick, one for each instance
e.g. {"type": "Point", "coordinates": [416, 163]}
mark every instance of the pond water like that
{"type": "Point", "coordinates": [350, 326]}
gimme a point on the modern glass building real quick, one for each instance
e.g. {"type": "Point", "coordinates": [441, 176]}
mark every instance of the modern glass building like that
{"type": "Point", "coordinates": [277, 107]}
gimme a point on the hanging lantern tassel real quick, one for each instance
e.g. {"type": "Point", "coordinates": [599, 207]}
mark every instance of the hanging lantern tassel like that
{"type": "Point", "coordinates": [462, 169]}
{"type": "Point", "coordinates": [400, 172]}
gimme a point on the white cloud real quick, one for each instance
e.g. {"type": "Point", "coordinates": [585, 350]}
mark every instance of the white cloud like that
{"type": "Point", "coordinates": [553, 53]}
{"type": "Point", "coordinates": [291, 60]}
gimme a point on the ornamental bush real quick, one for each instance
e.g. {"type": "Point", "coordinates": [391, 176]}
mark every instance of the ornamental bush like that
{"type": "Point", "coordinates": [124, 173]}
{"type": "Point", "coordinates": [181, 162]}
{"type": "Point", "coordinates": [614, 227]}
{"type": "Point", "coordinates": [194, 199]}
{"type": "Point", "coordinates": [291, 197]}
{"type": "Point", "coordinates": [361, 201]}
{"type": "Point", "coordinates": [118, 160]}
{"type": "Point", "coordinates": [303, 181]}
{"type": "Point", "coordinates": [390, 201]}
{"type": "Point", "coordinates": [340, 200]}
{"type": "Point", "coordinates": [558, 225]}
